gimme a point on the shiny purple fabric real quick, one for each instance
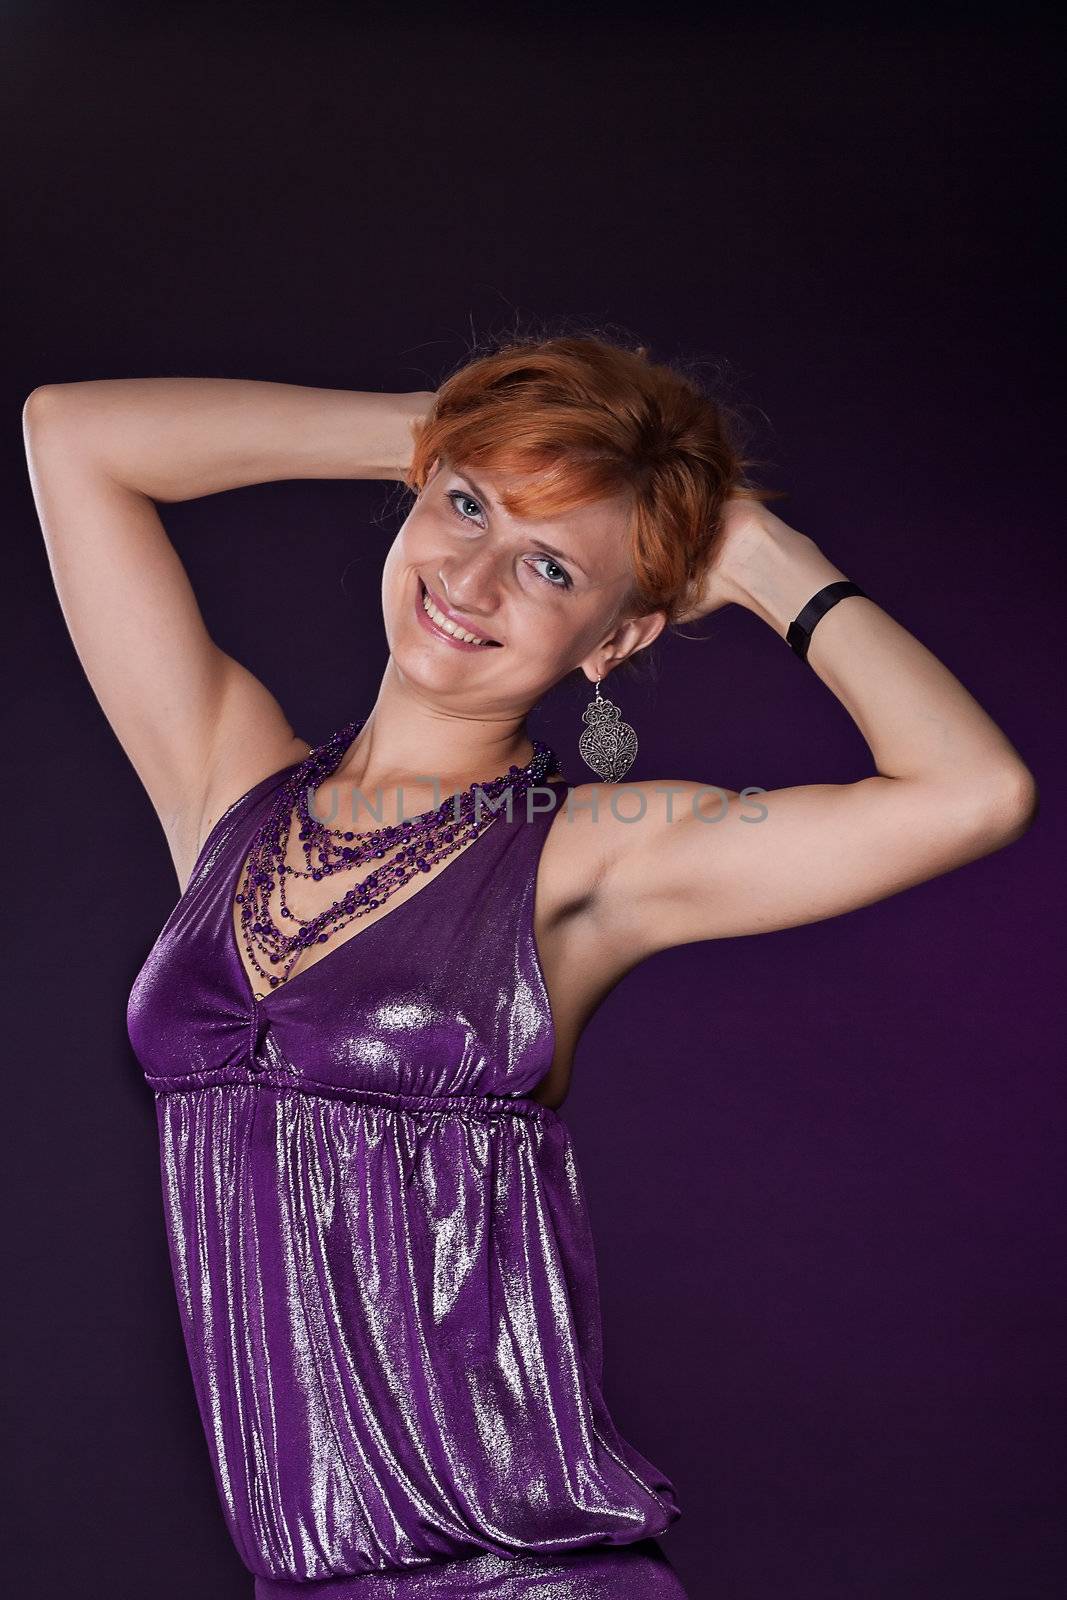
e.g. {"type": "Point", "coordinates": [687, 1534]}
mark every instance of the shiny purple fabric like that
{"type": "Point", "coordinates": [380, 1246]}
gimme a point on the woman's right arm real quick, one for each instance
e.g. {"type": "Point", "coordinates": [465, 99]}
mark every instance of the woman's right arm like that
{"type": "Point", "coordinates": [198, 728]}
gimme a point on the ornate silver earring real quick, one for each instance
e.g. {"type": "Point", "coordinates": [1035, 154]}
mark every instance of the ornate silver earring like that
{"type": "Point", "coordinates": [608, 745]}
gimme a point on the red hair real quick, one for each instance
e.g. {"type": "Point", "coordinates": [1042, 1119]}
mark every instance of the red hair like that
{"type": "Point", "coordinates": [582, 417]}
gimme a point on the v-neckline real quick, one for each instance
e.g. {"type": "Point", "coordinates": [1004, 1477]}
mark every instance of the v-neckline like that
{"type": "Point", "coordinates": [234, 882]}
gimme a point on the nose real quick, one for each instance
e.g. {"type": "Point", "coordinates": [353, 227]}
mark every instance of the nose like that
{"type": "Point", "coordinates": [469, 586]}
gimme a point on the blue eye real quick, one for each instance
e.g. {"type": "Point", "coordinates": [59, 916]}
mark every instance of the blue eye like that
{"type": "Point", "coordinates": [555, 584]}
{"type": "Point", "coordinates": [461, 494]}
{"type": "Point", "coordinates": [453, 496]}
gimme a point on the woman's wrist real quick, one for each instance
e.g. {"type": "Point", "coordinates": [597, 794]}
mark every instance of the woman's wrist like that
{"type": "Point", "coordinates": [351, 433]}
{"type": "Point", "coordinates": [411, 411]}
{"type": "Point", "coordinates": [774, 571]}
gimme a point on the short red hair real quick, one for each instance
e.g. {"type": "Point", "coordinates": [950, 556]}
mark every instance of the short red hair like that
{"type": "Point", "coordinates": [585, 417]}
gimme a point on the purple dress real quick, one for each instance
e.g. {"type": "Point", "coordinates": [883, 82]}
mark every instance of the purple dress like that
{"type": "Point", "coordinates": [380, 1246]}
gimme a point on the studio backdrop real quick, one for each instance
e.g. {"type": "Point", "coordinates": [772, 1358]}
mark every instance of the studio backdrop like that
{"type": "Point", "coordinates": [823, 1165]}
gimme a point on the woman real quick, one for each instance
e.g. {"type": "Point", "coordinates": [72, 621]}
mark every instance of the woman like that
{"type": "Point", "coordinates": [376, 1222]}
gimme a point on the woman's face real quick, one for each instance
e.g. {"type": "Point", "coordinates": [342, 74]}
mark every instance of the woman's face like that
{"type": "Point", "coordinates": [548, 595]}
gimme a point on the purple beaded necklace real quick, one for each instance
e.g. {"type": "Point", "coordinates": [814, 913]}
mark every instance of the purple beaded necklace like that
{"type": "Point", "coordinates": [423, 840]}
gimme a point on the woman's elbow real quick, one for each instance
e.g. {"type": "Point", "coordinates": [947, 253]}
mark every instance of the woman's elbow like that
{"type": "Point", "coordinates": [41, 403]}
{"type": "Point", "coordinates": [1009, 807]}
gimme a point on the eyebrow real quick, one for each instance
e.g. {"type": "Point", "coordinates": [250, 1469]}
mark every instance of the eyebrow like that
{"type": "Point", "coordinates": [560, 555]}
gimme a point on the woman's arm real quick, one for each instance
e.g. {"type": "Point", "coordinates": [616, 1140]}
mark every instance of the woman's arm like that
{"type": "Point", "coordinates": [99, 454]}
{"type": "Point", "coordinates": [949, 785]}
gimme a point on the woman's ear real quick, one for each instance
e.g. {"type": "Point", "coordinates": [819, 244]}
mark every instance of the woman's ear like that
{"type": "Point", "coordinates": [637, 633]}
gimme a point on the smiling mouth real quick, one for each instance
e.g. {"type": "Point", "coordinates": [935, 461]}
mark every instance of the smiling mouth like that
{"type": "Point", "coordinates": [446, 625]}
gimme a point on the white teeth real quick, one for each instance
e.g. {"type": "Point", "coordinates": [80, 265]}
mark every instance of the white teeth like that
{"type": "Point", "coordinates": [450, 627]}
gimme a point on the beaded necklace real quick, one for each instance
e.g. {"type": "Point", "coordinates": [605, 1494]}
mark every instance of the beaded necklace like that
{"type": "Point", "coordinates": [424, 839]}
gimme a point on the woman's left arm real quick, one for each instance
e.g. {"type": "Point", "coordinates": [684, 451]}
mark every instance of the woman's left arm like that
{"type": "Point", "coordinates": [949, 786]}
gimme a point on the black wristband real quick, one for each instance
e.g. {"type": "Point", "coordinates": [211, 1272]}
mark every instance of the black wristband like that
{"type": "Point", "coordinates": [800, 630]}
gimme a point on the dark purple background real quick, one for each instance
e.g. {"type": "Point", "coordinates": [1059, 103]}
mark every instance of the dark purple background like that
{"type": "Point", "coordinates": [824, 1164]}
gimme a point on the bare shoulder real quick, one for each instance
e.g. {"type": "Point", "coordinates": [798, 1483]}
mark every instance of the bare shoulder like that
{"type": "Point", "coordinates": [609, 855]}
{"type": "Point", "coordinates": [595, 916]}
{"type": "Point", "coordinates": [602, 825]}
{"type": "Point", "coordinates": [605, 830]}
{"type": "Point", "coordinates": [253, 739]}
{"type": "Point", "coordinates": [566, 880]}
{"type": "Point", "coordinates": [236, 775]}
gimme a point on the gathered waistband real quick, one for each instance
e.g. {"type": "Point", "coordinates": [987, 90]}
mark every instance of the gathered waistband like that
{"type": "Point", "coordinates": [477, 1105]}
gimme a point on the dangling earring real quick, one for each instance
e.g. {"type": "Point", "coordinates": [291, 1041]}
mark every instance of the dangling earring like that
{"type": "Point", "coordinates": [608, 745]}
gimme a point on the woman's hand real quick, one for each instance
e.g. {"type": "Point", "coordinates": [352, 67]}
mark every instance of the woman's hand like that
{"type": "Point", "coordinates": [763, 564]}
